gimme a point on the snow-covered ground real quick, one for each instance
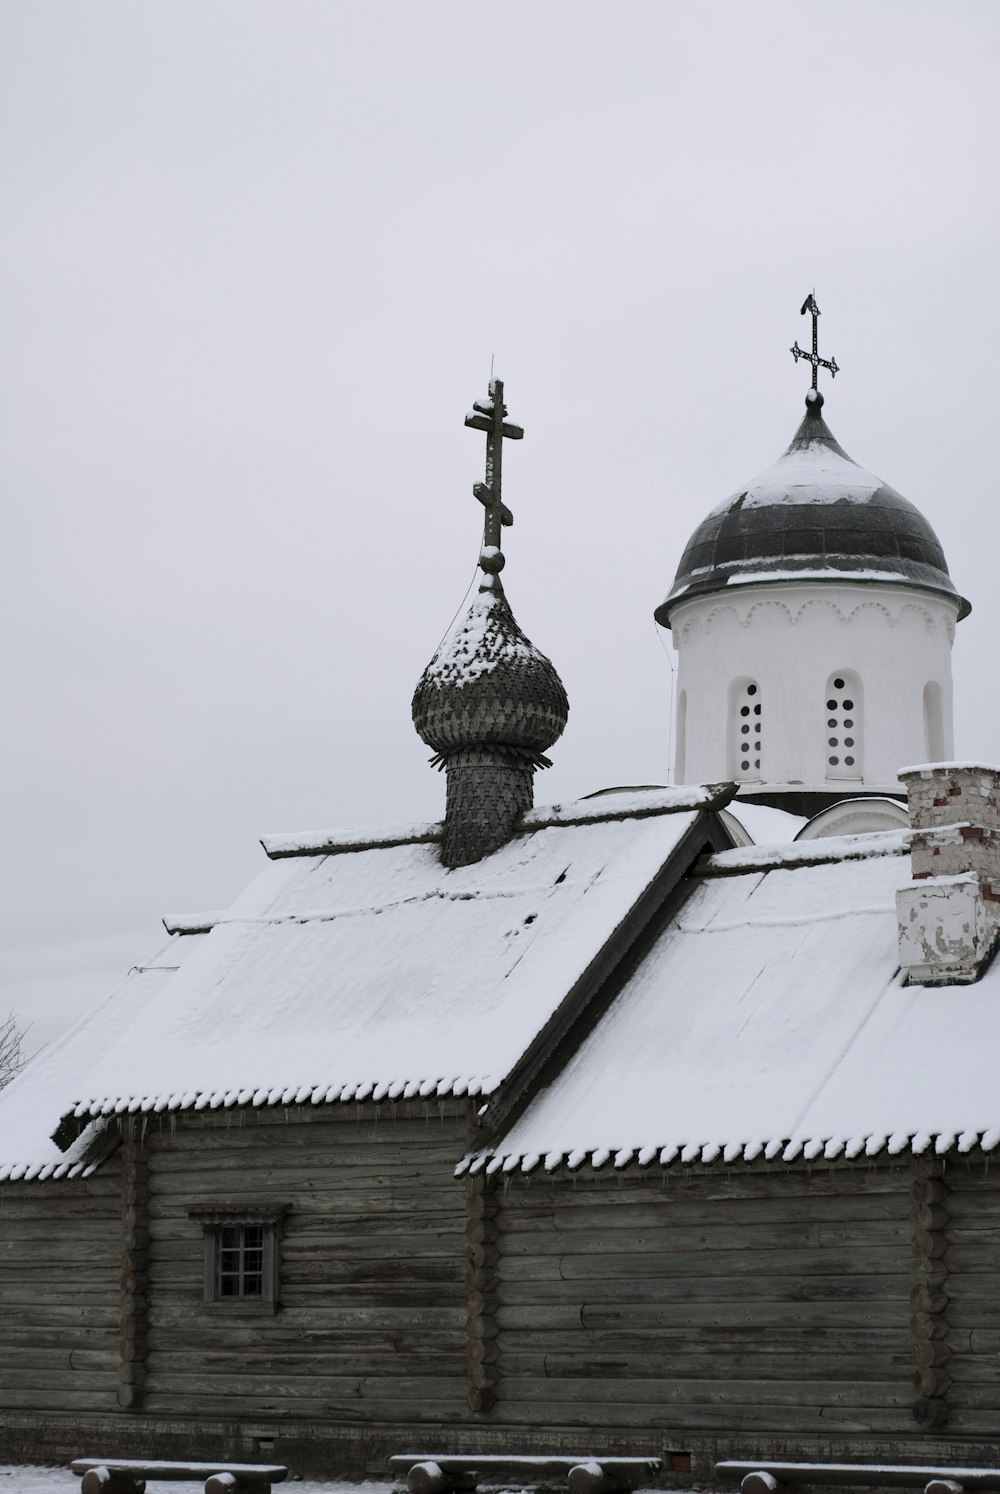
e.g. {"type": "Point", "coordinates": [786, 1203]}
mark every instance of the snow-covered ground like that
{"type": "Point", "coordinates": [29, 1480]}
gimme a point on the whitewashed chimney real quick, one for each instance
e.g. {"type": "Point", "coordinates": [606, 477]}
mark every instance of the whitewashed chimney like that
{"type": "Point", "coordinates": [949, 915]}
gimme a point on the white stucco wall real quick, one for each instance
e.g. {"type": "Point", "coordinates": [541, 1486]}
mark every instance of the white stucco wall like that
{"type": "Point", "coordinates": [791, 638]}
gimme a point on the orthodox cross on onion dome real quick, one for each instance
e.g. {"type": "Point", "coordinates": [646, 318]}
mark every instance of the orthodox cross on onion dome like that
{"type": "Point", "coordinates": [809, 304]}
{"type": "Point", "coordinates": [489, 417]}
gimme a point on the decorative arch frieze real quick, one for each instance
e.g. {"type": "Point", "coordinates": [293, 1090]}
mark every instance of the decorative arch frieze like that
{"type": "Point", "coordinates": [934, 618]}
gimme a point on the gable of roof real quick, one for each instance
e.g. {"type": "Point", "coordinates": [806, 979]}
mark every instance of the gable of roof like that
{"type": "Point", "coordinates": [356, 969]}
{"type": "Point", "coordinates": [770, 1021]}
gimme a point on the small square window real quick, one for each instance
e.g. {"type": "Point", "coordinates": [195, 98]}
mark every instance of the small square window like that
{"type": "Point", "coordinates": [241, 1256]}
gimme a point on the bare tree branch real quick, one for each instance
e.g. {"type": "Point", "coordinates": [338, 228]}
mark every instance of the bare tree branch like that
{"type": "Point", "coordinates": [11, 1054]}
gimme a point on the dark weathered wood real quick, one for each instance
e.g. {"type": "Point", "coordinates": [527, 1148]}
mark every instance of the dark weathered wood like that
{"type": "Point", "coordinates": [525, 1464]}
{"type": "Point", "coordinates": [108, 1481]}
{"type": "Point", "coordinates": [229, 1478]}
{"type": "Point", "coordinates": [482, 1258]}
{"type": "Point", "coordinates": [860, 1475]}
{"type": "Point", "coordinates": [429, 1477]}
{"type": "Point", "coordinates": [134, 1271]}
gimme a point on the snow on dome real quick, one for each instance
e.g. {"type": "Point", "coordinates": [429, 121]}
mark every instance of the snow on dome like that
{"type": "Point", "coordinates": [484, 638]}
{"type": "Point", "coordinates": [488, 683]}
{"type": "Point", "coordinates": [814, 514]}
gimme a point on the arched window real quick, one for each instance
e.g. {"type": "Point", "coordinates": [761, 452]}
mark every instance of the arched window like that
{"type": "Point", "coordinates": [933, 722]}
{"type": "Point", "coordinates": [745, 722]}
{"type": "Point", "coordinates": [681, 752]}
{"type": "Point", "coordinates": [844, 726]}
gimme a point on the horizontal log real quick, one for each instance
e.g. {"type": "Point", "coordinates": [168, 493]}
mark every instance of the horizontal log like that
{"type": "Point", "coordinates": [752, 1315]}
{"type": "Point", "coordinates": [766, 1339]}
{"type": "Point", "coordinates": [340, 1389]}
{"type": "Point", "coordinates": [329, 1413]}
{"type": "Point", "coordinates": [892, 1290]}
{"type": "Point", "coordinates": [804, 1365]}
{"type": "Point", "coordinates": [707, 1241]}
{"type": "Point", "coordinates": [680, 1392]}
{"type": "Point", "coordinates": [378, 1318]}
{"type": "Point", "coordinates": [890, 1260]}
{"type": "Point", "coordinates": [29, 1335]}
{"type": "Point", "coordinates": [567, 1212]}
{"type": "Point", "coordinates": [762, 1422]}
{"type": "Point", "coordinates": [71, 1358]}
{"type": "Point", "coordinates": [714, 1185]}
{"type": "Point", "coordinates": [81, 1397]}
{"type": "Point", "coordinates": [300, 1148]}
{"type": "Point", "coordinates": [293, 1332]}
{"type": "Point", "coordinates": [21, 1304]}
{"type": "Point", "coordinates": [44, 1381]}
{"type": "Point", "coordinates": [385, 1364]}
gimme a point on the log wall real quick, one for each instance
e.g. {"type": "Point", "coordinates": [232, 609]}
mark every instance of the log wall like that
{"type": "Point", "coordinates": [60, 1272]}
{"type": "Point", "coordinates": [772, 1303]}
{"type": "Point", "coordinates": [970, 1283]}
{"type": "Point", "coordinates": [371, 1317]}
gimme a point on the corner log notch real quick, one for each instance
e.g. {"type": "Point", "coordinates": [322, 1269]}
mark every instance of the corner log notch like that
{"type": "Point", "coordinates": [929, 1294]}
{"type": "Point", "coordinates": [482, 1254]}
{"type": "Point", "coordinates": [134, 1271]}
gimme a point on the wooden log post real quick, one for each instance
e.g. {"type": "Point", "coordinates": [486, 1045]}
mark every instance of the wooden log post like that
{"type": "Point", "coordinates": [430, 1478]}
{"type": "Point", "coordinates": [134, 1271]}
{"type": "Point", "coordinates": [593, 1477]}
{"type": "Point", "coordinates": [106, 1481]}
{"type": "Point", "coordinates": [482, 1255]}
{"type": "Point", "coordinates": [929, 1293]}
{"type": "Point", "coordinates": [761, 1482]}
{"type": "Point", "coordinates": [231, 1483]}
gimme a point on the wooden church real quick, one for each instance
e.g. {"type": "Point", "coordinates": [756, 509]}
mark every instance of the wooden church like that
{"type": "Point", "coordinates": [656, 1123]}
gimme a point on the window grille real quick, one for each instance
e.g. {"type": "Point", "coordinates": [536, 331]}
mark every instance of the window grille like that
{"type": "Point", "coordinates": [844, 726]}
{"type": "Point", "coordinates": [745, 734]}
{"type": "Point", "coordinates": [241, 1255]}
{"type": "Point", "coordinates": [239, 1260]}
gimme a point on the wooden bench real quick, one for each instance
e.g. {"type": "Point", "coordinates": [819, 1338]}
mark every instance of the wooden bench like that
{"type": "Point", "coordinates": [437, 1473]}
{"type": "Point", "coordinates": [774, 1478]}
{"type": "Point", "coordinates": [129, 1475]}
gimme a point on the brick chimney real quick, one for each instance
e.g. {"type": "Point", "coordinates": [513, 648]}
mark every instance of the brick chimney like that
{"type": "Point", "coordinates": [949, 915]}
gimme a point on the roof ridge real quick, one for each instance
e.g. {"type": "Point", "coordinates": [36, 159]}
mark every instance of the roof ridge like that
{"type": "Point", "coordinates": [637, 805]}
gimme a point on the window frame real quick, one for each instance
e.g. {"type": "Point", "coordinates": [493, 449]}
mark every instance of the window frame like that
{"type": "Point", "coordinates": [213, 1222]}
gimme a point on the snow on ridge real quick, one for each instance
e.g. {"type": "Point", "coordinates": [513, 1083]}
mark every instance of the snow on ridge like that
{"type": "Point", "coordinates": [610, 804]}
{"type": "Point", "coordinates": [868, 844]}
{"type": "Point", "coordinates": [349, 838]}
{"type": "Point", "coordinates": [606, 805]}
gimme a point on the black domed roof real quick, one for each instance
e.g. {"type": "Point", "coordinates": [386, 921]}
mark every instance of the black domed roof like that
{"type": "Point", "coordinates": [814, 515]}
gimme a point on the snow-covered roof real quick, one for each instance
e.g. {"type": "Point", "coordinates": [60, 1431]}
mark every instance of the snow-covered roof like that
{"type": "Point", "coordinates": [769, 1021]}
{"type": "Point", "coordinates": [32, 1104]}
{"type": "Point", "coordinates": [352, 970]}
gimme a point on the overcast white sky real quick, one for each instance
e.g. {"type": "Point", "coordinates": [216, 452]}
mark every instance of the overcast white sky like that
{"type": "Point", "coordinates": [256, 257]}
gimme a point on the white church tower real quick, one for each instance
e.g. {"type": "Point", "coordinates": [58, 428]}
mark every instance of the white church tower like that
{"type": "Point", "coordinates": [813, 617]}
